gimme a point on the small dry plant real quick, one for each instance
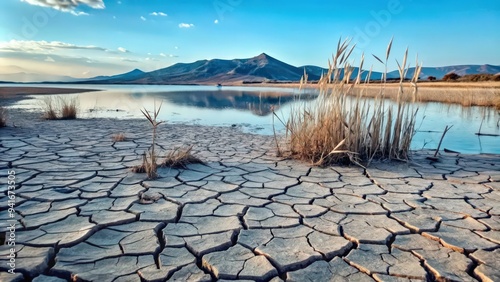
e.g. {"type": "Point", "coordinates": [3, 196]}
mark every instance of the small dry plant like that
{"type": "Point", "coordinates": [180, 158]}
{"type": "Point", "coordinates": [340, 128]}
{"type": "Point", "coordinates": [149, 164]}
{"type": "Point", "coordinates": [3, 117]}
{"type": "Point", "coordinates": [120, 137]}
{"type": "Point", "coordinates": [68, 108]}
{"type": "Point", "coordinates": [59, 108]}
{"type": "Point", "coordinates": [49, 108]}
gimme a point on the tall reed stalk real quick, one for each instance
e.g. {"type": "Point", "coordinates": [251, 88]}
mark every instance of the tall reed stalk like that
{"type": "Point", "coordinates": [338, 128]}
{"type": "Point", "coordinates": [149, 159]}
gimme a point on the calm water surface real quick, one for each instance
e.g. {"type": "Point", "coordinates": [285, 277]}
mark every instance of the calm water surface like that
{"type": "Point", "coordinates": [249, 108]}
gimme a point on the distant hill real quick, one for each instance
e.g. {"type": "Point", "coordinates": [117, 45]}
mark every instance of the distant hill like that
{"type": "Point", "coordinates": [261, 68]}
{"type": "Point", "coordinates": [439, 72]}
{"type": "Point", "coordinates": [128, 75]}
{"type": "Point", "coordinates": [257, 69]}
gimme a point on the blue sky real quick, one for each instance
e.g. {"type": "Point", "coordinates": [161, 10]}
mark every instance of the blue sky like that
{"type": "Point", "coordinates": [101, 37]}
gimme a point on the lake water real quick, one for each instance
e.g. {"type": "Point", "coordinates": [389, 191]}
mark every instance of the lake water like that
{"type": "Point", "coordinates": [249, 108]}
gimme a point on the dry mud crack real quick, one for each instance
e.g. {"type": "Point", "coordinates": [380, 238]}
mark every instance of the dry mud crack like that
{"type": "Point", "coordinates": [242, 215]}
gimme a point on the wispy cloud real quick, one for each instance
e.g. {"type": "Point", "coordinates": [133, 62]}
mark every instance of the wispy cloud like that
{"type": "Point", "coordinates": [123, 50]}
{"type": "Point", "coordinates": [37, 46]}
{"type": "Point", "coordinates": [216, 21]}
{"type": "Point", "coordinates": [161, 14]}
{"type": "Point", "coordinates": [79, 13]}
{"type": "Point", "coordinates": [143, 18]}
{"type": "Point", "coordinates": [129, 60]}
{"type": "Point", "coordinates": [170, 55]}
{"type": "Point", "coordinates": [67, 6]}
{"type": "Point", "coordinates": [49, 59]}
{"type": "Point", "coordinates": [185, 25]}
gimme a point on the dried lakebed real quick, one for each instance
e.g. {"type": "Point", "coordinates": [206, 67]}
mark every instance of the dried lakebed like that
{"type": "Point", "coordinates": [243, 215]}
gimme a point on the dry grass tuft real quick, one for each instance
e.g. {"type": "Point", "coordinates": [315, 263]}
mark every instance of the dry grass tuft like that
{"type": "Point", "coordinates": [59, 108]}
{"type": "Point", "coordinates": [3, 117]}
{"type": "Point", "coordinates": [49, 108]}
{"type": "Point", "coordinates": [148, 166]}
{"type": "Point", "coordinates": [180, 158]}
{"type": "Point", "coordinates": [120, 137]}
{"type": "Point", "coordinates": [339, 128]}
{"type": "Point", "coordinates": [69, 108]}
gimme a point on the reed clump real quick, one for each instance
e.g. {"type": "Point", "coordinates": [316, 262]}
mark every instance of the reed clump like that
{"type": "Point", "coordinates": [120, 137]}
{"type": "Point", "coordinates": [339, 128]}
{"type": "Point", "coordinates": [3, 117]}
{"type": "Point", "coordinates": [180, 158]}
{"type": "Point", "coordinates": [59, 108]}
{"type": "Point", "coordinates": [49, 108]}
{"type": "Point", "coordinates": [149, 164]}
{"type": "Point", "coordinates": [69, 108]}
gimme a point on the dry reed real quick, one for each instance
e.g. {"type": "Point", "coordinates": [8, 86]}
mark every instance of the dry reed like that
{"type": "Point", "coordinates": [337, 128]}
{"type": "Point", "coordinates": [149, 164]}
{"type": "Point", "coordinates": [180, 158]}
{"type": "Point", "coordinates": [3, 117]}
{"type": "Point", "coordinates": [49, 108]}
{"type": "Point", "coordinates": [68, 108]}
{"type": "Point", "coordinates": [59, 108]}
{"type": "Point", "coordinates": [120, 137]}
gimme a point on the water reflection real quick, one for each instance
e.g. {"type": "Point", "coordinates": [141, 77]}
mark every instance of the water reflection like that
{"type": "Point", "coordinates": [259, 103]}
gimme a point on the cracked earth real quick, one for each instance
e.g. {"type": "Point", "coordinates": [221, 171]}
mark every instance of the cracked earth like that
{"type": "Point", "coordinates": [242, 215]}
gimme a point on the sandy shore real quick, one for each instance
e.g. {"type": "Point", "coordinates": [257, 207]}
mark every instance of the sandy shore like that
{"type": "Point", "coordinates": [80, 213]}
{"type": "Point", "coordinates": [9, 92]}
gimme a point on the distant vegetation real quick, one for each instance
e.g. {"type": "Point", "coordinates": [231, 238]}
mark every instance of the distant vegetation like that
{"type": "Point", "coordinates": [471, 77]}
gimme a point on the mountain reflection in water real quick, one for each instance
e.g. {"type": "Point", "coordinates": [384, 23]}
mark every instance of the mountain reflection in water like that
{"type": "Point", "coordinates": [258, 103]}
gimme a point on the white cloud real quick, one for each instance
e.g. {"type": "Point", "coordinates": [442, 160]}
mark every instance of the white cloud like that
{"type": "Point", "coordinates": [185, 25]}
{"type": "Point", "coordinates": [163, 55]}
{"type": "Point", "coordinates": [123, 50]}
{"type": "Point", "coordinates": [143, 18]}
{"type": "Point", "coordinates": [47, 46]}
{"type": "Point", "coordinates": [79, 13]}
{"type": "Point", "coordinates": [176, 47]}
{"type": "Point", "coordinates": [66, 5]}
{"type": "Point", "coordinates": [216, 21]}
{"type": "Point", "coordinates": [173, 56]}
{"type": "Point", "coordinates": [119, 2]}
{"type": "Point", "coordinates": [49, 59]}
{"type": "Point", "coordinates": [161, 14]}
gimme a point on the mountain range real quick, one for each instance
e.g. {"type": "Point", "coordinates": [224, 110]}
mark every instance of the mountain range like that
{"type": "Point", "coordinates": [261, 68]}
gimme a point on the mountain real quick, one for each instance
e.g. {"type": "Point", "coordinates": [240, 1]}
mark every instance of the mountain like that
{"type": "Point", "coordinates": [439, 72]}
{"type": "Point", "coordinates": [128, 75]}
{"type": "Point", "coordinates": [257, 69]}
{"type": "Point", "coordinates": [261, 68]}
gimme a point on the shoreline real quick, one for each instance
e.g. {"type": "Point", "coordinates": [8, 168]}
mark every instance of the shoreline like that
{"type": "Point", "coordinates": [13, 91]}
